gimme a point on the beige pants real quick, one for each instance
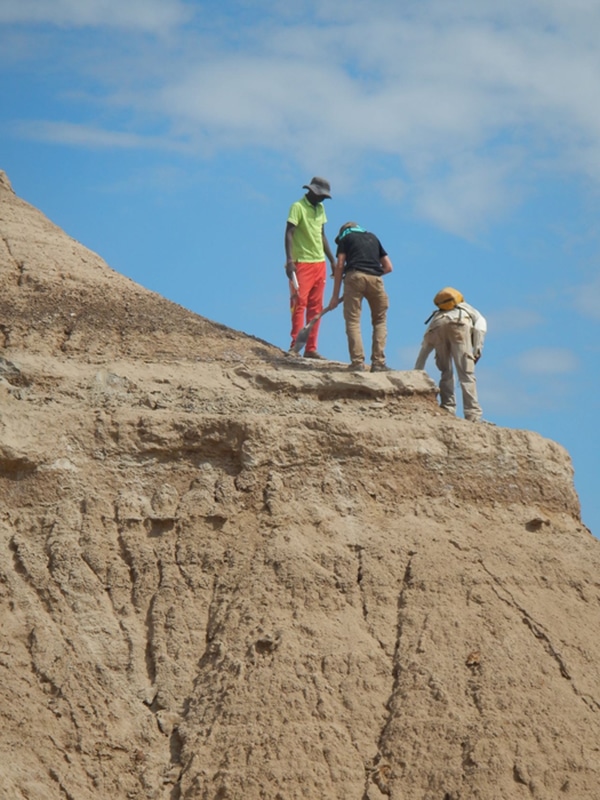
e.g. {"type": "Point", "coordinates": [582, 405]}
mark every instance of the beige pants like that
{"type": "Point", "coordinates": [451, 340]}
{"type": "Point", "coordinates": [359, 285]}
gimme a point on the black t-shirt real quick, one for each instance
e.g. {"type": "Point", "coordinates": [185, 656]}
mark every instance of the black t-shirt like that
{"type": "Point", "coordinates": [363, 252]}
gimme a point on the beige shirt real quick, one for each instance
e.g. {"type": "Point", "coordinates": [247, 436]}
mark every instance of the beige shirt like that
{"type": "Point", "coordinates": [462, 312]}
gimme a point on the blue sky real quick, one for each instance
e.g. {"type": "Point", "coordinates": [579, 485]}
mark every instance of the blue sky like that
{"type": "Point", "coordinates": [171, 137]}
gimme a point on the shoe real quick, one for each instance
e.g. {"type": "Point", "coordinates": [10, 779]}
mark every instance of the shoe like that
{"type": "Point", "coordinates": [380, 368]}
{"type": "Point", "coordinates": [359, 367]}
{"type": "Point", "coordinates": [314, 354]}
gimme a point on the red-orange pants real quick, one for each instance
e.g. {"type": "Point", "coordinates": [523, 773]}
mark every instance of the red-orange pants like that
{"type": "Point", "coordinates": [307, 301]}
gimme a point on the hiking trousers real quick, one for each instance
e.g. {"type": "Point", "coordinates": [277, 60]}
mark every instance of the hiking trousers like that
{"type": "Point", "coordinates": [359, 285]}
{"type": "Point", "coordinates": [451, 340]}
{"type": "Point", "coordinates": [307, 302]}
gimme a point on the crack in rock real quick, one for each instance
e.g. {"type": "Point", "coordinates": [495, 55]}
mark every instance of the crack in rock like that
{"type": "Point", "coordinates": [537, 630]}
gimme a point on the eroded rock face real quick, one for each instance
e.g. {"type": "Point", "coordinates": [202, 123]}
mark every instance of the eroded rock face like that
{"type": "Point", "coordinates": [228, 574]}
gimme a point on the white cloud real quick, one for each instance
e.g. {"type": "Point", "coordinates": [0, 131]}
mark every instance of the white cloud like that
{"type": "Point", "coordinates": [89, 136]}
{"type": "Point", "coordinates": [468, 107]}
{"type": "Point", "coordinates": [472, 191]}
{"type": "Point", "coordinates": [512, 320]}
{"type": "Point", "coordinates": [499, 395]}
{"type": "Point", "coordinates": [470, 99]}
{"type": "Point", "coordinates": [393, 189]}
{"type": "Point", "coordinates": [547, 361]}
{"type": "Point", "coordinates": [144, 15]}
{"type": "Point", "coordinates": [503, 390]}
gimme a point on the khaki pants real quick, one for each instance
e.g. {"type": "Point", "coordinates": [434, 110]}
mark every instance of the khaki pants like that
{"type": "Point", "coordinates": [451, 340]}
{"type": "Point", "coordinates": [359, 285]}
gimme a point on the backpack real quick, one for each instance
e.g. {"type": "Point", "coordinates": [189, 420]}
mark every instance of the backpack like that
{"type": "Point", "coordinates": [446, 299]}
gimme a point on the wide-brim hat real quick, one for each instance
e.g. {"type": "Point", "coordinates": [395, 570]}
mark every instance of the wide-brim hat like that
{"type": "Point", "coordinates": [319, 186]}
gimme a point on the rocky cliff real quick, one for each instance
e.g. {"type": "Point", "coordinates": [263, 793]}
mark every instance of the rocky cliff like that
{"type": "Point", "coordinates": [232, 575]}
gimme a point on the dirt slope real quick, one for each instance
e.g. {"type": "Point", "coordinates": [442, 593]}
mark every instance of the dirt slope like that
{"type": "Point", "coordinates": [230, 575]}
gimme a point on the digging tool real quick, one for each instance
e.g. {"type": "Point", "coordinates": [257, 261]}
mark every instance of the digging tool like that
{"type": "Point", "coordinates": [303, 335]}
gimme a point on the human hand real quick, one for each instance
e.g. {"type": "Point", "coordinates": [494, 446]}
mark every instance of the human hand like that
{"type": "Point", "coordinates": [290, 269]}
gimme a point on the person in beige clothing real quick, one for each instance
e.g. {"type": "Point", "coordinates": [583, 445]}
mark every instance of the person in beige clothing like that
{"type": "Point", "coordinates": [456, 332]}
{"type": "Point", "coordinates": [361, 263]}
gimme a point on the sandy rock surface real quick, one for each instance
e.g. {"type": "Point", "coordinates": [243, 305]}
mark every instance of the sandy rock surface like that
{"type": "Point", "coordinates": [230, 574]}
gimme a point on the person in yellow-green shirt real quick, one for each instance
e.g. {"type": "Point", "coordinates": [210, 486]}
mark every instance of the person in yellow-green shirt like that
{"type": "Point", "coordinates": [305, 249]}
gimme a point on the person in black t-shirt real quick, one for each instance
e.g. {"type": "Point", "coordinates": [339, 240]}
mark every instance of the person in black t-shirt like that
{"type": "Point", "coordinates": [361, 263]}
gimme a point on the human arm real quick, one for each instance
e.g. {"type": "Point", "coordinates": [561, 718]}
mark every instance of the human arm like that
{"type": "Point", "coordinates": [328, 252]}
{"type": "Point", "coordinates": [478, 331]}
{"type": "Point", "coordinates": [338, 272]}
{"type": "Point", "coordinates": [477, 337]}
{"type": "Point", "coordinates": [424, 352]}
{"type": "Point", "coordinates": [386, 264]}
{"type": "Point", "coordinates": [290, 266]}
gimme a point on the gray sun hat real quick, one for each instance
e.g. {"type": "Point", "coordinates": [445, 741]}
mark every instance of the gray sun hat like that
{"type": "Point", "coordinates": [320, 187]}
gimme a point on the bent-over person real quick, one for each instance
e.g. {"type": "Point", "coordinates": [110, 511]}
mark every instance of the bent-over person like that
{"type": "Point", "coordinates": [456, 332]}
